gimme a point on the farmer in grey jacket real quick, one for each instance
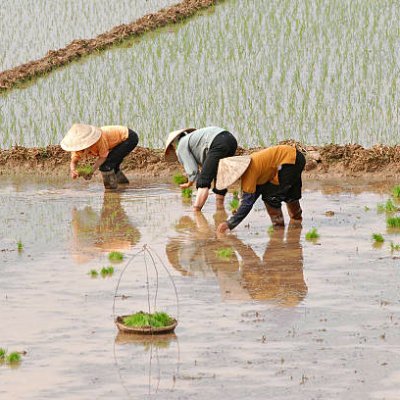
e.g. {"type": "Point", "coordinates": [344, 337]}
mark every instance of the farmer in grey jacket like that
{"type": "Point", "coordinates": [203, 148]}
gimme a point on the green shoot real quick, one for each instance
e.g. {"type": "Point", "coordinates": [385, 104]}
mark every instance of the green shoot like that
{"type": "Point", "coordinates": [93, 273]}
{"type": "Point", "coordinates": [312, 234]}
{"type": "Point", "coordinates": [187, 193]}
{"type": "Point", "coordinates": [396, 191]}
{"type": "Point", "coordinates": [84, 170]}
{"type": "Point", "coordinates": [3, 353]}
{"type": "Point", "coordinates": [377, 238]}
{"type": "Point", "coordinates": [20, 246]}
{"type": "Point", "coordinates": [393, 222]}
{"type": "Point", "coordinates": [107, 271]}
{"type": "Point", "coordinates": [115, 256]}
{"type": "Point", "coordinates": [225, 253]}
{"type": "Point", "coordinates": [388, 207]}
{"type": "Point", "coordinates": [142, 319]}
{"type": "Point", "coordinates": [13, 358]}
{"type": "Point", "coordinates": [234, 203]}
{"type": "Point", "coordinates": [394, 247]}
{"type": "Point", "coordinates": [179, 179]}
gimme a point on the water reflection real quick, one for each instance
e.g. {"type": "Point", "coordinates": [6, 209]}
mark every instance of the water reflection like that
{"type": "Point", "coordinates": [276, 276]}
{"type": "Point", "coordinates": [111, 230]}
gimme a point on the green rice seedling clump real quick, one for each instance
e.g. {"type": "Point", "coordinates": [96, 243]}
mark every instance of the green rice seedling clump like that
{"type": "Point", "coordinates": [394, 247]}
{"type": "Point", "coordinates": [84, 170]}
{"type": "Point", "coordinates": [378, 238]}
{"type": "Point", "coordinates": [107, 271]}
{"type": "Point", "coordinates": [396, 191]}
{"type": "Point", "coordinates": [312, 234]}
{"type": "Point", "coordinates": [3, 353]}
{"type": "Point", "coordinates": [115, 256]}
{"type": "Point", "coordinates": [187, 193]}
{"type": "Point", "coordinates": [179, 179]}
{"type": "Point", "coordinates": [225, 252]}
{"type": "Point", "coordinates": [13, 358]}
{"type": "Point", "coordinates": [93, 273]}
{"type": "Point", "coordinates": [393, 222]}
{"type": "Point", "coordinates": [234, 203]}
{"type": "Point", "coordinates": [20, 246]}
{"type": "Point", "coordinates": [141, 319]}
{"type": "Point", "coordinates": [388, 207]}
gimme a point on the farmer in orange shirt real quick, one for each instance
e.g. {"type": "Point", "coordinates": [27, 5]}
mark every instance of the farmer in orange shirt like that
{"type": "Point", "coordinates": [273, 173]}
{"type": "Point", "coordinates": [110, 144]}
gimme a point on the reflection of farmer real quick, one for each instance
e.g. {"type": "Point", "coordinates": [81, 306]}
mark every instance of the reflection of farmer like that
{"type": "Point", "coordinates": [110, 144]}
{"type": "Point", "coordinates": [244, 276]}
{"type": "Point", "coordinates": [109, 231]}
{"type": "Point", "coordinates": [202, 147]}
{"type": "Point", "coordinates": [273, 173]}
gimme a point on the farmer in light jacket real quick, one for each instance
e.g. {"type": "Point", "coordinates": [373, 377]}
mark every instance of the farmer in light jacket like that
{"type": "Point", "coordinates": [274, 174]}
{"type": "Point", "coordinates": [195, 148]}
{"type": "Point", "coordinates": [110, 144]}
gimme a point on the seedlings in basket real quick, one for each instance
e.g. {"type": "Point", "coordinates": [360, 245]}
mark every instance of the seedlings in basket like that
{"type": "Point", "coordinates": [142, 319]}
{"type": "Point", "coordinates": [187, 193]}
{"type": "Point", "coordinates": [179, 179]}
{"type": "Point", "coordinates": [234, 203]}
{"type": "Point", "coordinates": [115, 256]}
{"type": "Point", "coordinates": [225, 253]}
{"type": "Point", "coordinates": [388, 207]}
{"type": "Point", "coordinates": [312, 235]}
{"type": "Point", "coordinates": [93, 273]}
{"type": "Point", "coordinates": [107, 271]}
{"type": "Point", "coordinates": [396, 191]}
{"type": "Point", "coordinates": [377, 238]}
{"type": "Point", "coordinates": [84, 170]}
{"type": "Point", "coordinates": [393, 222]}
{"type": "Point", "coordinates": [13, 358]}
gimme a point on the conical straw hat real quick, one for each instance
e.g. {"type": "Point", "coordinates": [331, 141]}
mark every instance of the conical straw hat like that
{"type": "Point", "coordinates": [170, 154]}
{"type": "Point", "coordinates": [230, 169]}
{"type": "Point", "coordinates": [80, 136]}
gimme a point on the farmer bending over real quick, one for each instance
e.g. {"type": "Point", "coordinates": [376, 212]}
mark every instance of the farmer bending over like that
{"type": "Point", "coordinates": [274, 174]}
{"type": "Point", "coordinates": [110, 144]}
{"type": "Point", "coordinates": [203, 148]}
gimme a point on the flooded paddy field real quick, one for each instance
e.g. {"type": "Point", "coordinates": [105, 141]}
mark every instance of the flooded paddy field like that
{"type": "Point", "coordinates": [282, 317]}
{"type": "Point", "coordinates": [318, 72]}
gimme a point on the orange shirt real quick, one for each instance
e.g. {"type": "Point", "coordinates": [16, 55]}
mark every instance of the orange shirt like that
{"type": "Point", "coordinates": [265, 164]}
{"type": "Point", "coordinates": [111, 136]}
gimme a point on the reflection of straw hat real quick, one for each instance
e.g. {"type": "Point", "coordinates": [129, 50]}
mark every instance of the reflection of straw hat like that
{"type": "Point", "coordinates": [80, 136]}
{"type": "Point", "coordinates": [230, 169]}
{"type": "Point", "coordinates": [170, 154]}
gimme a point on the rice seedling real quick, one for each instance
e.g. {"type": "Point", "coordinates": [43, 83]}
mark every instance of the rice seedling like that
{"type": "Point", "coordinates": [3, 353]}
{"type": "Point", "coordinates": [93, 273]}
{"type": "Point", "coordinates": [312, 234]}
{"type": "Point", "coordinates": [393, 222]}
{"type": "Point", "coordinates": [377, 238]}
{"type": "Point", "coordinates": [115, 256]}
{"type": "Point", "coordinates": [394, 247]}
{"type": "Point", "coordinates": [225, 253]}
{"type": "Point", "coordinates": [179, 179]}
{"type": "Point", "coordinates": [84, 170]}
{"type": "Point", "coordinates": [20, 246]}
{"type": "Point", "coordinates": [234, 203]}
{"type": "Point", "coordinates": [107, 271]}
{"type": "Point", "coordinates": [142, 319]}
{"type": "Point", "coordinates": [187, 193]}
{"type": "Point", "coordinates": [388, 207]}
{"type": "Point", "coordinates": [396, 191]}
{"type": "Point", "coordinates": [13, 358]}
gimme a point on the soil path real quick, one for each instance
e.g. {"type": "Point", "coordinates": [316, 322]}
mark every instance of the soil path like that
{"type": "Point", "coordinates": [323, 162]}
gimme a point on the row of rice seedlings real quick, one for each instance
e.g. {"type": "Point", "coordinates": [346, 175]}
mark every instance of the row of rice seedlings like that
{"type": "Point", "coordinates": [308, 89]}
{"type": "Point", "coordinates": [104, 272]}
{"type": "Point", "coordinates": [10, 358]}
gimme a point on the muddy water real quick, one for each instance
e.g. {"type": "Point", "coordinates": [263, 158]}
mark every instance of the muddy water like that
{"type": "Point", "coordinates": [282, 318]}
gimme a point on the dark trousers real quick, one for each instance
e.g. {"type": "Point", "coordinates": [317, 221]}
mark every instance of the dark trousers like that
{"type": "Point", "coordinates": [289, 188]}
{"type": "Point", "coordinates": [117, 154]}
{"type": "Point", "coordinates": [223, 145]}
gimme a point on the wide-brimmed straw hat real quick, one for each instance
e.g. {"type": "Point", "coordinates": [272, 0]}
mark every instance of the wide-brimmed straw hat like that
{"type": "Point", "coordinates": [230, 169]}
{"type": "Point", "coordinates": [80, 136]}
{"type": "Point", "coordinates": [170, 154]}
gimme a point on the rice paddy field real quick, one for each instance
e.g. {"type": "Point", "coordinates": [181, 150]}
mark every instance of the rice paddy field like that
{"type": "Point", "coordinates": [316, 71]}
{"type": "Point", "coordinates": [310, 311]}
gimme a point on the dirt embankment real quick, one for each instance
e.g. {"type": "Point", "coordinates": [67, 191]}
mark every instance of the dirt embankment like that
{"type": "Point", "coordinates": [322, 162]}
{"type": "Point", "coordinates": [80, 48]}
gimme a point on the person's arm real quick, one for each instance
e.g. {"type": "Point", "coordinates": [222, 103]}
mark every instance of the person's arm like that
{"type": "Point", "coordinates": [246, 204]}
{"type": "Point", "coordinates": [73, 172]}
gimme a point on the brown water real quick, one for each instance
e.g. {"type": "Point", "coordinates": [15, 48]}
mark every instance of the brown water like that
{"type": "Point", "coordinates": [283, 318]}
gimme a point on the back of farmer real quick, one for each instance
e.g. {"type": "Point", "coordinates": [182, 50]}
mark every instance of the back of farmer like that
{"type": "Point", "coordinates": [274, 174]}
{"type": "Point", "coordinates": [203, 148]}
{"type": "Point", "coordinates": [110, 144]}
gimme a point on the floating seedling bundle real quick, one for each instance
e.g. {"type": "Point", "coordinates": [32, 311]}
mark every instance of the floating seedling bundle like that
{"type": "Point", "coordinates": [146, 316]}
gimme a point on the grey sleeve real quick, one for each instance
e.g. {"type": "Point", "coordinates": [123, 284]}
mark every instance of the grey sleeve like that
{"type": "Point", "coordinates": [189, 163]}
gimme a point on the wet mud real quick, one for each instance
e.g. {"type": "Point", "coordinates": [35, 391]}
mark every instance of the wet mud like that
{"type": "Point", "coordinates": [279, 317]}
{"type": "Point", "coordinates": [83, 47]}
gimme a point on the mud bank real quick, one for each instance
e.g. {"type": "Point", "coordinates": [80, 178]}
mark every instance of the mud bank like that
{"type": "Point", "coordinates": [322, 162]}
{"type": "Point", "coordinates": [84, 47]}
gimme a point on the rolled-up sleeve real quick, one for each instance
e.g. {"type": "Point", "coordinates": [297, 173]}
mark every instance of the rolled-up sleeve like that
{"type": "Point", "coordinates": [246, 204]}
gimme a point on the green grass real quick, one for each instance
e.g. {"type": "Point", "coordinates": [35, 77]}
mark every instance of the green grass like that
{"type": "Point", "coordinates": [20, 246]}
{"type": "Point", "coordinates": [396, 191]}
{"type": "Point", "coordinates": [107, 271]}
{"type": "Point", "coordinates": [378, 238]}
{"type": "Point", "coordinates": [93, 273]}
{"type": "Point", "coordinates": [115, 256]}
{"type": "Point", "coordinates": [84, 170]}
{"type": "Point", "coordinates": [179, 179]}
{"type": "Point", "coordinates": [13, 358]}
{"type": "Point", "coordinates": [187, 193]}
{"type": "Point", "coordinates": [142, 319]}
{"type": "Point", "coordinates": [225, 253]}
{"type": "Point", "coordinates": [312, 234]}
{"type": "Point", "coordinates": [388, 207]}
{"type": "Point", "coordinates": [393, 222]}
